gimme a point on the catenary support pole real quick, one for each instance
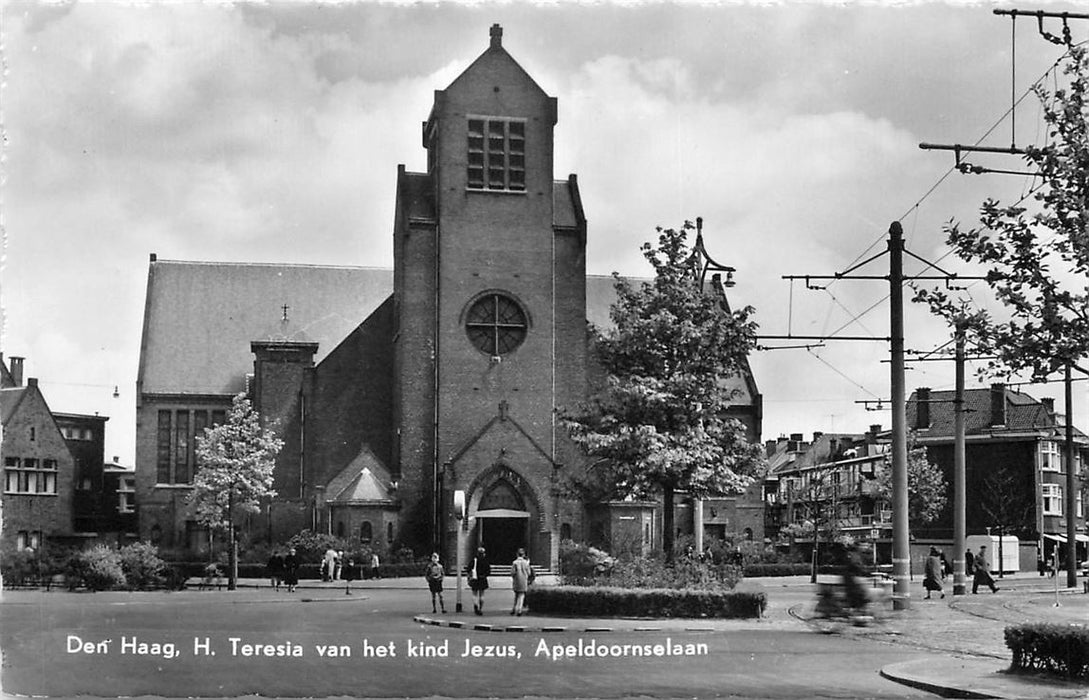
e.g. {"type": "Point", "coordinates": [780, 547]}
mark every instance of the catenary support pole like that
{"type": "Point", "coordinates": [959, 497]}
{"type": "Point", "coordinates": [1071, 484]}
{"type": "Point", "coordinates": [901, 553]}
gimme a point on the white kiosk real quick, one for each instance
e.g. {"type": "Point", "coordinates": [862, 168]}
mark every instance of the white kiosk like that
{"type": "Point", "coordinates": [1009, 559]}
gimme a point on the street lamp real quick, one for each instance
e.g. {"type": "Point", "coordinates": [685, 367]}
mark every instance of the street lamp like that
{"type": "Point", "coordinates": [459, 515]}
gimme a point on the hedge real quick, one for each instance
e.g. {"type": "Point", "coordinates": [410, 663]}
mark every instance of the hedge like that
{"type": "Point", "coordinates": [794, 569]}
{"type": "Point", "coordinates": [582, 601]}
{"type": "Point", "coordinates": [1061, 650]}
{"type": "Point", "coordinates": [194, 569]}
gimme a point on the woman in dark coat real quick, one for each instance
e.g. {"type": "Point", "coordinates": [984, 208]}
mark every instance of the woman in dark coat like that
{"type": "Point", "coordinates": [479, 571]}
{"type": "Point", "coordinates": [291, 571]}
{"type": "Point", "coordinates": [932, 578]}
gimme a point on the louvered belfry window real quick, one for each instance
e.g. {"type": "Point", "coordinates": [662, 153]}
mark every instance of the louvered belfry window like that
{"type": "Point", "coordinates": [496, 324]}
{"type": "Point", "coordinates": [497, 155]}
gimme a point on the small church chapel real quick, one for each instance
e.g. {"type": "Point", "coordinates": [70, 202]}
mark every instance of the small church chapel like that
{"type": "Point", "coordinates": [395, 389]}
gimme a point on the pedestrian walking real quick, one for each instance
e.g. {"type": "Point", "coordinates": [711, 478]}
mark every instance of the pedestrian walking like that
{"type": "Point", "coordinates": [969, 562]}
{"type": "Point", "coordinates": [328, 562]}
{"type": "Point", "coordinates": [291, 570]}
{"type": "Point", "coordinates": [433, 574]}
{"type": "Point", "coordinates": [521, 574]}
{"type": "Point", "coordinates": [983, 571]}
{"type": "Point", "coordinates": [349, 575]}
{"type": "Point", "coordinates": [275, 569]}
{"type": "Point", "coordinates": [479, 571]}
{"type": "Point", "coordinates": [338, 565]}
{"type": "Point", "coordinates": [932, 575]}
{"type": "Point", "coordinates": [946, 569]}
{"type": "Point", "coordinates": [374, 565]}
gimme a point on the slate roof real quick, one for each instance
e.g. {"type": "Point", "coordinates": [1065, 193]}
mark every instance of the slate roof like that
{"type": "Point", "coordinates": [1024, 414]}
{"type": "Point", "coordinates": [200, 317]}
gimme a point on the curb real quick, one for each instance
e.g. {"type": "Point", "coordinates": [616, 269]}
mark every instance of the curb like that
{"type": "Point", "coordinates": [486, 627]}
{"type": "Point", "coordinates": [894, 673]}
{"type": "Point", "coordinates": [521, 627]}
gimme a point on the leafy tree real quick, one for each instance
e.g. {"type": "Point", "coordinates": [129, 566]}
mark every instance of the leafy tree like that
{"type": "Point", "coordinates": [236, 460]}
{"type": "Point", "coordinates": [658, 424]}
{"type": "Point", "coordinates": [927, 487]}
{"type": "Point", "coordinates": [1008, 504]}
{"type": "Point", "coordinates": [1037, 260]}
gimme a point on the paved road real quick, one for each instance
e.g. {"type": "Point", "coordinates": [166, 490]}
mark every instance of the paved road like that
{"type": "Point", "coordinates": [54, 645]}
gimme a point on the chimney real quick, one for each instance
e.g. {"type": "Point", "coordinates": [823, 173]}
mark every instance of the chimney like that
{"type": "Point", "coordinates": [769, 447]}
{"type": "Point", "coordinates": [998, 404]}
{"type": "Point", "coordinates": [32, 381]}
{"type": "Point", "coordinates": [817, 435]}
{"type": "Point", "coordinates": [833, 447]}
{"type": "Point", "coordinates": [497, 36]}
{"type": "Point", "coordinates": [17, 370]}
{"type": "Point", "coordinates": [922, 408]}
{"type": "Point", "coordinates": [797, 437]}
{"type": "Point", "coordinates": [1049, 405]}
{"type": "Point", "coordinates": [875, 429]}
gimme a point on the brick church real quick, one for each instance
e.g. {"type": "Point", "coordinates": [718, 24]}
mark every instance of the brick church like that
{"type": "Point", "coordinates": [392, 389]}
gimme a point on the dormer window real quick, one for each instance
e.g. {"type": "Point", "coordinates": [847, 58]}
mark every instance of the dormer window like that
{"type": "Point", "coordinates": [497, 155]}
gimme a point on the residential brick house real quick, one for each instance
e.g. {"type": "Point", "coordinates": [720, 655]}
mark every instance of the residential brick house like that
{"type": "Point", "coordinates": [1015, 468]}
{"type": "Point", "coordinates": [38, 466]}
{"type": "Point", "coordinates": [393, 389]}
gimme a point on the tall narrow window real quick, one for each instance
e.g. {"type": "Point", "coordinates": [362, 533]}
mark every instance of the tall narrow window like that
{"type": "Point", "coordinates": [181, 447]}
{"type": "Point", "coordinates": [200, 422]}
{"type": "Point", "coordinates": [497, 155]}
{"type": "Point", "coordinates": [162, 455]}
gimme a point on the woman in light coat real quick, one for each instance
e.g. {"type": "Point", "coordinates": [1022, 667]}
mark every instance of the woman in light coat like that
{"type": "Point", "coordinates": [520, 573]}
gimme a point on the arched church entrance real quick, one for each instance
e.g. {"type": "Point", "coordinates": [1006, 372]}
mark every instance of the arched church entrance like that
{"type": "Point", "coordinates": [502, 521]}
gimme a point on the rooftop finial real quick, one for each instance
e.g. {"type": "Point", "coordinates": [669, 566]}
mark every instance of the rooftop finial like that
{"type": "Point", "coordinates": [497, 36]}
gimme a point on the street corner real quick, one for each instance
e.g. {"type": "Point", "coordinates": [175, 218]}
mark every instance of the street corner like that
{"type": "Point", "coordinates": [976, 677]}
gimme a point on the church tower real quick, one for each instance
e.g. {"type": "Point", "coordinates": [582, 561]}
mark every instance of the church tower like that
{"type": "Point", "coordinates": [490, 309]}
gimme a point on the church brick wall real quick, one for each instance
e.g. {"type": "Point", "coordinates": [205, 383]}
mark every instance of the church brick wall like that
{"type": "Point", "coordinates": [414, 372]}
{"type": "Point", "coordinates": [349, 401]}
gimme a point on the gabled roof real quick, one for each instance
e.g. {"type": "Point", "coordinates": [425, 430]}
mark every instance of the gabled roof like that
{"type": "Point", "coordinates": [364, 479]}
{"type": "Point", "coordinates": [1023, 415]}
{"type": "Point", "coordinates": [200, 317]}
{"type": "Point", "coordinates": [495, 54]}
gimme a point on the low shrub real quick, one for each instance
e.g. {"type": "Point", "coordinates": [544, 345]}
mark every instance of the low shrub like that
{"type": "Point", "coordinates": [582, 601]}
{"type": "Point", "coordinates": [1056, 649]}
{"type": "Point", "coordinates": [20, 568]}
{"type": "Point", "coordinates": [97, 568]}
{"type": "Point", "coordinates": [142, 566]}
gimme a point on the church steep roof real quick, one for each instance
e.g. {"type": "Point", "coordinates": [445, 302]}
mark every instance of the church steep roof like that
{"type": "Point", "coordinates": [200, 318]}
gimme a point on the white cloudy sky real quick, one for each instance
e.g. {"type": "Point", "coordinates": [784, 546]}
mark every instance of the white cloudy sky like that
{"type": "Point", "coordinates": [272, 133]}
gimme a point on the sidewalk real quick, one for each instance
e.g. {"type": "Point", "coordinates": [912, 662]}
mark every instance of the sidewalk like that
{"type": "Point", "coordinates": [970, 629]}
